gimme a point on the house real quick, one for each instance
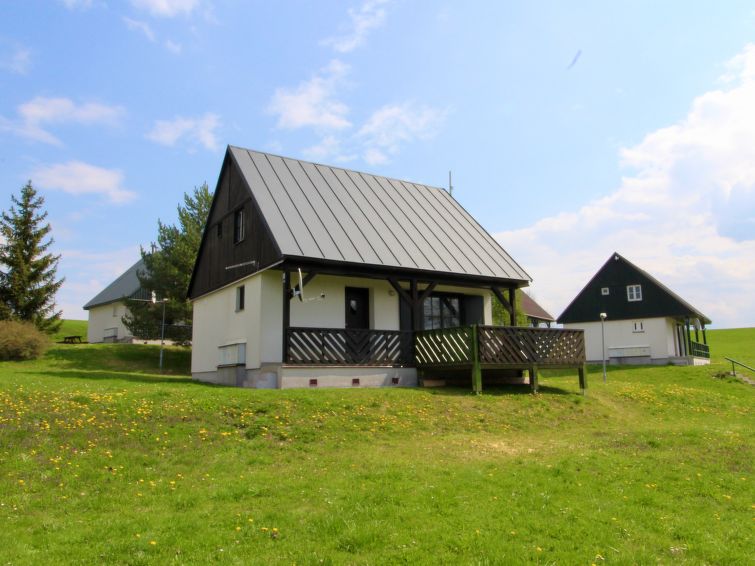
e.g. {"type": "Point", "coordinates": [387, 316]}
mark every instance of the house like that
{"type": "Point", "coordinates": [536, 315]}
{"type": "Point", "coordinates": [108, 307]}
{"type": "Point", "coordinates": [645, 321]}
{"type": "Point", "coordinates": [310, 275]}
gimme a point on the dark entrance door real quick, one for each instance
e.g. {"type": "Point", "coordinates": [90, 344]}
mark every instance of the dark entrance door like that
{"type": "Point", "coordinates": [357, 307]}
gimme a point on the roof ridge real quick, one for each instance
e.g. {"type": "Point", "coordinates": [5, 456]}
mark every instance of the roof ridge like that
{"type": "Point", "coordinates": [337, 167]}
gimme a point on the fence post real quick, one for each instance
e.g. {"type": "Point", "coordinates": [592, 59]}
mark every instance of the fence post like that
{"type": "Point", "coordinates": [476, 369]}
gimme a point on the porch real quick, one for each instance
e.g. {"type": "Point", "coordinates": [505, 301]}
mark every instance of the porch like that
{"type": "Point", "coordinates": [471, 348]}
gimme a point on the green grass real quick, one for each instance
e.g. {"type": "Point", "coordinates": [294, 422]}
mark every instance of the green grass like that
{"type": "Point", "coordinates": [71, 328]}
{"type": "Point", "coordinates": [104, 461]}
{"type": "Point", "coordinates": [736, 343]}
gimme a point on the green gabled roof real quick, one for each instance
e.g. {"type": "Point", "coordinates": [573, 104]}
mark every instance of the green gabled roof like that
{"type": "Point", "coordinates": [618, 272]}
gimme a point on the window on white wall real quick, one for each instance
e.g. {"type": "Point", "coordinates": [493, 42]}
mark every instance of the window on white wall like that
{"type": "Point", "coordinates": [240, 298]}
{"type": "Point", "coordinates": [232, 354]}
{"type": "Point", "coordinates": [634, 292]}
{"type": "Point", "coordinates": [638, 326]}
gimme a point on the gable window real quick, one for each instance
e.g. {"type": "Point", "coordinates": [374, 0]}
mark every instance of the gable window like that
{"type": "Point", "coordinates": [634, 293]}
{"type": "Point", "coordinates": [441, 311]}
{"type": "Point", "coordinates": [240, 298]}
{"type": "Point", "coordinates": [238, 226]}
{"type": "Point", "coordinates": [638, 326]}
{"type": "Point", "coordinates": [604, 291]}
{"type": "Point", "coordinates": [220, 229]}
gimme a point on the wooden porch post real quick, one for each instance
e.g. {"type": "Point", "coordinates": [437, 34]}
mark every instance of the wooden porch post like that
{"type": "Point", "coordinates": [512, 302]}
{"type": "Point", "coordinates": [286, 313]}
{"type": "Point", "coordinates": [688, 337]}
{"type": "Point", "coordinates": [697, 336]}
{"type": "Point", "coordinates": [476, 368]}
{"type": "Point", "coordinates": [583, 378]}
{"type": "Point", "coordinates": [533, 378]}
{"type": "Point", "coordinates": [705, 340]}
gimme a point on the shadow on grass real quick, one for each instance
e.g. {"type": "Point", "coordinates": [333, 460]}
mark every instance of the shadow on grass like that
{"type": "Point", "coordinates": [95, 375]}
{"type": "Point", "coordinates": [498, 390]}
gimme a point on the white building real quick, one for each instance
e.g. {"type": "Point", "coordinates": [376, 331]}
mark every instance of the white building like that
{"type": "Point", "coordinates": [645, 321]}
{"type": "Point", "coordinates": [310, 275]}
{"type": "Point", "coordinates": [107, 308]}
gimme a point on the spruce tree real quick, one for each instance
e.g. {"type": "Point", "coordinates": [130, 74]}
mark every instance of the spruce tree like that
{"type": "Point", "coordinates": [27, 272]}
{"type": "Point", "coordinates": [168, 266]}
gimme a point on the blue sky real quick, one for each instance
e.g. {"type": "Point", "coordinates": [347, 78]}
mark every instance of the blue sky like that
{"type": "Point", "coordinates": [573, 129]}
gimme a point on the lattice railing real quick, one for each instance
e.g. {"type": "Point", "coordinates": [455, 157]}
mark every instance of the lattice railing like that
{"type": "Point", "coordinates": [448, 346]}
{"type": "Point", "coordinates": [341, 346]}
{"type": "Point", "coordinates": [698, 349]}
{"type": "Point", "coordinates": [542, 346]}
{"type": "Point", "coordinates": [500, 345]}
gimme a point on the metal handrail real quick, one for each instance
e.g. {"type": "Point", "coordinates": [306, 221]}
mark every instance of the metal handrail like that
{"type": "Point", "coordinates": [733, 370]}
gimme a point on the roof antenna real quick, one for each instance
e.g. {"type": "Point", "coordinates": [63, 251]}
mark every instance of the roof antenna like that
{"type": "Point", "coordinates": [450, 185]}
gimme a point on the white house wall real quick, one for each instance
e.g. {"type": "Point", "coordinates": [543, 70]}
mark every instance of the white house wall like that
{"type": "Point", "coordinates": [105, 317]}
{"type": "Point", "coordinates": [658, 335]}
{"type": "Point", "coordinates": [259, 325]}
{"type": "Point", "coordinates": [217, 323]}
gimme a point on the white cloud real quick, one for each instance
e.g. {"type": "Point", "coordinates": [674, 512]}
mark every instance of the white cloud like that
{"type": "Point", "coordinates": [77, 4]}
{"type": "Point", "coordinates": [198, 130]}
{"type": "Point", "coordinates": [17, 60]}
{"type": "Point", "coordinates": [367, 17]}
{"type": "Point", "coordinates": [313, 102]}
{"type": "Point", "coordinates": [329, 147]}
{"type": "Point", "coordinates": [139, 26]}
{"type": "Point", "coordinates": [42, 111]}
{"type": "Point", "coordinates": [78, 178]}
{"type": "Point", "coordinates": [88, 273]}
{"type": "Point", "coordinates": [166, 8]}
{"type": "Point", "coordinates": [393, 125]}
{"type": "Point", "coordinates": [685, 213]}
{"type": "Point", "coordinates": [173, 47]}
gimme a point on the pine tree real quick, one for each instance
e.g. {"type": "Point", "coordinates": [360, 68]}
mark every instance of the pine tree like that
{"type": "Point", "coordinates": [27, 273]}
{"type": "Point", "coordinates": [168, 267]}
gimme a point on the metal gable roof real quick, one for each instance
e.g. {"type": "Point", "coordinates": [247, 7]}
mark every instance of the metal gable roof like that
{"type": "Point", "coordinates": [126, 285]}
{"type": "Point", "coordinates": [328, 213]}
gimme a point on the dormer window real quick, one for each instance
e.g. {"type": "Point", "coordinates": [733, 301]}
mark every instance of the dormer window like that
{"type": "Point", "coordinates": [634, 293]}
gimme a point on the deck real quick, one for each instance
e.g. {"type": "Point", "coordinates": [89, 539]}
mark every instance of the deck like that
{"type": "Point", "coordinates": [472, 348]}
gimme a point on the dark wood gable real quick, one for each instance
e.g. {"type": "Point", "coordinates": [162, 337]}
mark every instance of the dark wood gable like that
{"type": "Point", "coordinates": [615, 275]}
{"type": "Point", "coordinates": [221, 260]}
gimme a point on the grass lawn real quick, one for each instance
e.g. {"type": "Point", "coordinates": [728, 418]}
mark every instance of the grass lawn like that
{"type": "Point", "coordinates": [104, 461]}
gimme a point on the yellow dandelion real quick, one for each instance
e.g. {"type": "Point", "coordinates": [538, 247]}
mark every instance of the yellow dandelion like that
{"type": "Point", "coordinates": [153, 542]}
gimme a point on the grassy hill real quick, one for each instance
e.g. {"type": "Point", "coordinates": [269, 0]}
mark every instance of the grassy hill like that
{"type": "Point", "coordinates": [105, 461]}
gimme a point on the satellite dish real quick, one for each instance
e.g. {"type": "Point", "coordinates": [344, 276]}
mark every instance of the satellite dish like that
{"type": "Point", "coordinates": [300, 291]}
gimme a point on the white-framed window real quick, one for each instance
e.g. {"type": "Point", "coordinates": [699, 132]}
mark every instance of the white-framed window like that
{"type": "Point", "coordinates": [240, 298]}
{"type": "Point", "coordinates": [604, 291]}
{"type": "Point", "coordinates": [634, 293]}
{"type": "Point", "coordinates": [638, 326]}
{"type": "Point", "coordinates": [232, 354]}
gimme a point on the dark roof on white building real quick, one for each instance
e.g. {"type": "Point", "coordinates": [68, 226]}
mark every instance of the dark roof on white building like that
{"type": "Point", "coordinates": [126, 285]}
{"type": "Point", "coordinates": [607, 292]}
{"type": "Point", "coordinates": [324, 212]}
{"type": "Point", "coordinates": [303, 214]}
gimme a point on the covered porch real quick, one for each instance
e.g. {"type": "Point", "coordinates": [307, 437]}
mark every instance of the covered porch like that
{"type": "Point", "coordinates": [471, 348]}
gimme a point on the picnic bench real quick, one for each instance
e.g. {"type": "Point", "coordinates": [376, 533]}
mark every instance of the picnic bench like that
{"type": "Point", "coordinates": [72, 340]}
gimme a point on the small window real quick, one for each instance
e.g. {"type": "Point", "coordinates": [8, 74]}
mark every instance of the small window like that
{"type": "Point", "coordinates": [638, 326]}
{"type": "Point", "coordinates": [220, 229]}
{"type": "Point", "coordinates": [233, 354]}
{"type": "Point", "coordinates": [239, 298]}
{"type": "Point", "coordinates": [604, 291]}
{"type": "Point", "coordinates": [238, 226]}
{"type": "Point", "coordinates": [634, 293]}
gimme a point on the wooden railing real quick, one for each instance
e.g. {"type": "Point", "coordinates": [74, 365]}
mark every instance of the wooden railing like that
{"type": "Point", "coordinates": [698, 349]}
{"type": "Point", "coordinates": [500, 346]}
{"type": "Point", "coordinates": [340, 346]}
{"type": "Point", "coordinates": [447, 347]}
